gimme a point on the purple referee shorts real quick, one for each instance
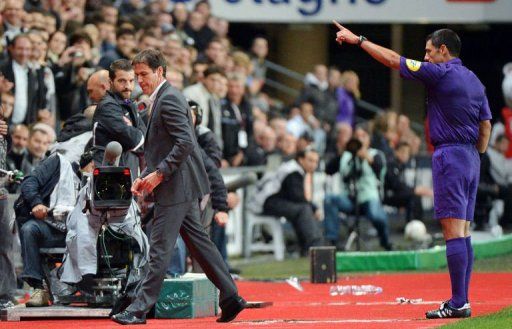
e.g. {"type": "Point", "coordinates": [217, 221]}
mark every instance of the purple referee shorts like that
{"type": "Point", "coordinates": [455, 176]}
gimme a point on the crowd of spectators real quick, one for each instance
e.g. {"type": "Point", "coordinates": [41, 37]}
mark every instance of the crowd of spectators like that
{"type": "Point", "coordinates": [50, 49]}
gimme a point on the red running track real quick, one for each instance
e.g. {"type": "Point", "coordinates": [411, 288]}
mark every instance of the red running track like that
{"type": "Point", "coordinates": [316, 308]}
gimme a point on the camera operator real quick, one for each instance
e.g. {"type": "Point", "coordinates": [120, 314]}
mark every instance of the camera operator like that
{"type": "Point", "coordinates": [364, 168]}
{"type": "Point", "coordinates": [117, 119]}
{"type": "Point", "coordinates": [86, 220]}
{"type": "Point", "coordinates": [51, 188]}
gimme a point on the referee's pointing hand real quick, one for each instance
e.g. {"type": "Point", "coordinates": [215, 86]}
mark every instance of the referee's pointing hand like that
{"type": "Point", "coordinates": [345, 35]}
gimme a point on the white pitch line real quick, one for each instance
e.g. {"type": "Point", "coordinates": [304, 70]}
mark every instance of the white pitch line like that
{"type": "Point", "coordinates": [357, 303]}
{"type": "Point", "coordinates": [292, 321]}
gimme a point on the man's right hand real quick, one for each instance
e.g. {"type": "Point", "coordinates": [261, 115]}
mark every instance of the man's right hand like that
{"type": "Point", "coordinates": [40, 211]}
{"type": "Point", "coordinates": [137, 187]}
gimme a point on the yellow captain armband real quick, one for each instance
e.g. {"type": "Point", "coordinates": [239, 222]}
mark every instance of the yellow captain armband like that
{"type": "Point", "coordinates": [413, 65]}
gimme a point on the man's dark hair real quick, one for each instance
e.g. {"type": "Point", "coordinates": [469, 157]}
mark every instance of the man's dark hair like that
{"type": "Point", "coordinates": [402, 144]}
{"type": "Point", "coordinates": [302, 154]}
{"type": "Point", "coordinates": [152, 58]}
{"type": "Point", "coordinates": [16, 38]}
{"type": "Point", "coordinates": [80, 36]}
{"type": "Point", "coordinates": [202, 2]}
{"type": "Point", "coordinates": [214, 69]}
{"type": "Point", "coordinates": [307, 136]}
{"type": "Point", "coordinates": [124, 31]}
{"type": "Point", "coordinates": [119, 65]}
{"type": "Point", "coordinates": [448, 38]}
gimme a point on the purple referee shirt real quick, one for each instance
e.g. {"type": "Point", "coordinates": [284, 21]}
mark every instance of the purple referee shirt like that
{"type": "Point", "coordinates": [456, 99]}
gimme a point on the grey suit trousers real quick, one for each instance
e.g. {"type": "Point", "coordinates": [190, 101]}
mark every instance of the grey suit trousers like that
{"type": "Point", "coordinates": [168, 221]}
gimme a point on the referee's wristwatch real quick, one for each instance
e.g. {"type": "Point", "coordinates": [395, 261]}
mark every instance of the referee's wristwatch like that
{"type": "Point", "coordinates": [362, 39]}
{"type": "Point", "coordinates": [159, 173]}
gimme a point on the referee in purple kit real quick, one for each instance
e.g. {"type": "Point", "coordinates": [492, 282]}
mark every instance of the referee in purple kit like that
{"type": "Point", "coordinates": [459, 120]}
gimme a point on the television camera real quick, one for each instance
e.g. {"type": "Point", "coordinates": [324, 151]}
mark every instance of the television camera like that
{"type": "Point", "coordinates": [109, 204]}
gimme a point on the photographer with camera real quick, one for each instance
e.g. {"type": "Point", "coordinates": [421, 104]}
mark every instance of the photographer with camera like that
{"type": "Point", "coordinates": [47, 194]}
{"type": "Point", "coordinates": [362, 172]}
{"type": "Point", "coordinates": [71, 73]}
{"type": "Point", "coordinates": [117, 119]}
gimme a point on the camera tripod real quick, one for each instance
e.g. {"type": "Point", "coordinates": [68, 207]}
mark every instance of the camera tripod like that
{"type": "Point", "coordinates": [354, 234]}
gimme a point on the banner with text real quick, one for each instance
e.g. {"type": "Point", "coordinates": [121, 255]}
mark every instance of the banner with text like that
{"type": "Point", "coordinates": [364, 11]}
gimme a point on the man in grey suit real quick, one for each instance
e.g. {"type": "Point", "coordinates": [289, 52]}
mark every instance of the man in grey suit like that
{"type": "Point", "coordinates": [176, 176]}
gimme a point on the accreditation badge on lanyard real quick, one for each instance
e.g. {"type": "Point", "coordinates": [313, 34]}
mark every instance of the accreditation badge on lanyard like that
{"type": "Point", "coordinates": [243, 140]}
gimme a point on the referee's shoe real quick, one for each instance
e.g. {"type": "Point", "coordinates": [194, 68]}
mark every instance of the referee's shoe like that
{"type": "Point", "coordinates": [445, 311]}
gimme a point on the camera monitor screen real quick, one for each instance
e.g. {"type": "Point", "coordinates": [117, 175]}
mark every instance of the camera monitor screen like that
{"type": "Point", "coordinates": [112, 187]}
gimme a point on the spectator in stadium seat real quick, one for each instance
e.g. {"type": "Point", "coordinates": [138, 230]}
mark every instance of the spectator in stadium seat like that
{"type": "Point", "coordinates": [12, 22]}
{"type": "Point", "coordinates": [71, 73]}
{"type": "Point", "coordinates": [346, 95]}
{"type": "Point", "coordinates": [259, 51]}
{"type": "Point", "coordinates": [263, 144]}
{"type": "Point", "coordinates": [29, 89]}
{"type": "Point", "coordinates": [205, 94]}
{"type": "Point", "coordinates": [287, 192]}
{"type": "Point", "coordinates": [56, 46]}
{"type": "Point", "coordinates": [125, 46]}
{"type": "Point", "coordinates": [197, 29]}
{"type": "Point", "coordinates": [396, 191]}
{"type": "Point", "coordinates": [44, 73]}
{"type": "Point", "coordinates": [237, 120]}
{"type": "Point", "coordinates": [37, 146]}
{"type": "Point", "coordinates": [19, 141]}
{"type": "Point", "coordinates": [316, 92]}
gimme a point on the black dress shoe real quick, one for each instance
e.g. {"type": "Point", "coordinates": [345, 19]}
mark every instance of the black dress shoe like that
{"type": "Point", "coordinates": [127, 317]}
{"type": "Point", "coordinates": [230, 308]}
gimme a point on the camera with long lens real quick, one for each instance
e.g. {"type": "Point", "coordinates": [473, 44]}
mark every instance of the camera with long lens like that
{"type": "Point", "coordinates": [353, 146]}
{"type": "Point", "coordinates": [111, 184]}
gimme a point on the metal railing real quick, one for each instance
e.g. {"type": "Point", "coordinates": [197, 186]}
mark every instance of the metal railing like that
{"type": "Point", "coordinates": [292, 92]}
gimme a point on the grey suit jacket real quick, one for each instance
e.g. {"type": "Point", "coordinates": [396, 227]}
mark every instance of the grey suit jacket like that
{"type": "Point", "coordinates": [171, 147]}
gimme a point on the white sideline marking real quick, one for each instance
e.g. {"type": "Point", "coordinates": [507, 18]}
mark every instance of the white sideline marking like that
{"type": "Point", "coordinates": [357, 303]}
{"type": "Point", "coordinates": [265, 322]}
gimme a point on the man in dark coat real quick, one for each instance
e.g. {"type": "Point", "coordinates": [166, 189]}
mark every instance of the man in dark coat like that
{"type": "Point", "coordinates": [176, 176]}
{"type": "Point", "coordinates": [117, 119]}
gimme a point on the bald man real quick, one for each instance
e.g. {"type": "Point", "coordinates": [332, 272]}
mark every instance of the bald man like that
{"type": "Point", "coordinates": [97, 85]}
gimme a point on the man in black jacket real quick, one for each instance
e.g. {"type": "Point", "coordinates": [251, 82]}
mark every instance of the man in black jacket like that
{"type": "Point", "coordinates": [117, 119]}
{"type": "Point", "coordinates": [288, 192]}
{"type": "Point", "coordinates": [39, 197]}
{"type": "Point", "coordinates": [396, 191]}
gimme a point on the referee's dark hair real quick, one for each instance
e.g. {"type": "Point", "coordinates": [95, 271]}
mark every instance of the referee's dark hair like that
{"type": "Point", "coordinates": [152, 58]}
{"type": "Point", "coordinates": [448, 38]}
{"type": "Point", "coordinates": [119, 65]}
